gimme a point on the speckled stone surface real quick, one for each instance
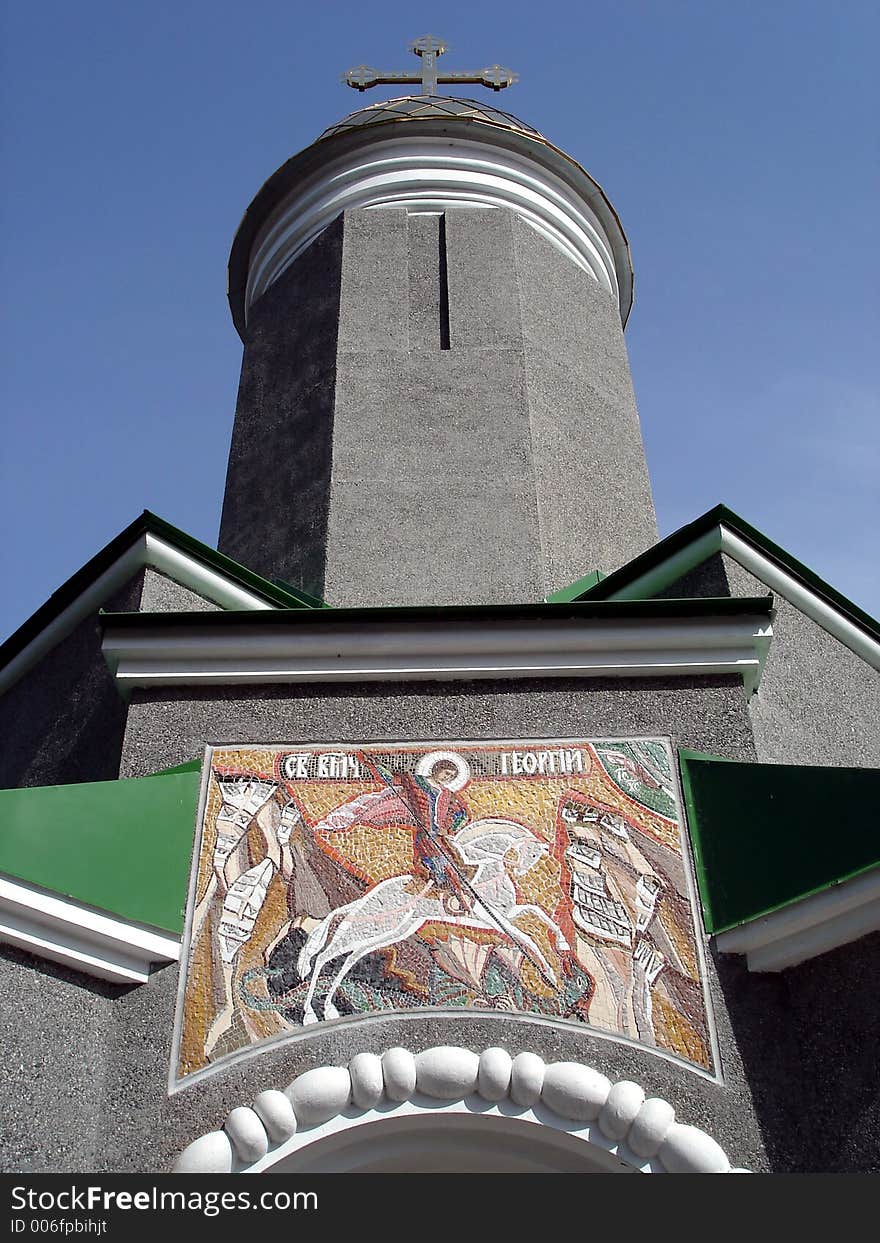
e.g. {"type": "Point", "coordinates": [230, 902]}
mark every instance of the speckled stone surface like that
{"type": "Point", "coordinates": [818, 703]}
{"type": "Point", "coordinates": [64, 720]}
{"type": "Point", "coordinates": [167, 727]}
{"type": "Point", "coordinates": [594, 496]}
{"type": "Point", "coordinates": [708, 579]}
{"type": "Point", "coordinates": [275, 507]}
{"type": "Point", "coordinates": [800, 1092]}
{"type": "Point", "coordinates": [162, 594]}
{"type": "Point", "coordinates": [56, 1032]}
{"type": "Point", "coordinates": [370, 465]}
{"type": "Point", "coordinates": [113, 1112]}
{"type": "Point", "coordinates": [808, 1038]}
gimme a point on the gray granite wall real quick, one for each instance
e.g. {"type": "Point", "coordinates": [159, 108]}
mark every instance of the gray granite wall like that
{"type": "Point", "coordinates": [169, 726]}
{"type": "Point", "coordinates": [435, 410]}
{"type": "Point", "coordinates": [595, 506]}
{"type": "Point", "coordinates": [64, 720]}
{"type": "Point", "coordinates": [274, 517]}
{"type": "Point", "coordinates": [162, 594]}
{"type": "Point", "coordinates": [432, 496]}
{"type": "Point", "coordinates": [138, 1127]}
{"type": "Point", "coordinates": [83, 1079]}
{"type": "Point", "coordinates": [86, 1067]}
{"type": "Point", "coordinates": [808, 1039]}
{"type": "Point", "coordinates": [94, 1097]}
{"type": "Point", "coordinates": [818, 703]}
{"type": "Point", "coordinates": [56, 1030]}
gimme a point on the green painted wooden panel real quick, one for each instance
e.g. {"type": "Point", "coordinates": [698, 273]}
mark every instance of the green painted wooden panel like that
{"type": "Point", "coordinates": [121, 846]}
{"type": "Point", "coordinates": [765, 835]}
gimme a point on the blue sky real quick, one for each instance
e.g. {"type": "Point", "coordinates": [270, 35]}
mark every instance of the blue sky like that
{"type": "Point", "coordinates": [737, 142]}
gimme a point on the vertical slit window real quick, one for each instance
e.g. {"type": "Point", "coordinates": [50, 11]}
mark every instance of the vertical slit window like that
{"type": "Point", "coordinates": [444, 286]}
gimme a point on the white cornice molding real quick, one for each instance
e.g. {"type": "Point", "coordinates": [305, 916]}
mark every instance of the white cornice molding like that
{"type": "Point", "coordinates": [316, 652]}
{"type": "Point", "coordinates": [617, 1126]}
{"type": "Point", "coordinates": [147, 550]}
{"type": "Point", "coordinates": [778, 579]}
{"type": "Point", "coordinates": [90, 941]}
{"type": "Point", "coordinates": [802, 597]}
{"type": "Point", "coordinates": [805, 929]}
{"type": "Point", "coordinates": [433, 174]}
{"type": "Point", "coordinates": [200, 577]}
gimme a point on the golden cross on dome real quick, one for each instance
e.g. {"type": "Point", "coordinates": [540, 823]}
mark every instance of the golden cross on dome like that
{"type": "Point", "coordinates": [428, 49]}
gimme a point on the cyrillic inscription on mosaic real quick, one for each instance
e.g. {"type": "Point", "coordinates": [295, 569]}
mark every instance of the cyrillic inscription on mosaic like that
{"type": "Point", "coordinates": [544, 877]}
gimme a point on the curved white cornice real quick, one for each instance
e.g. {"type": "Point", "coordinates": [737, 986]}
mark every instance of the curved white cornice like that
{"type": "Point", "coordinates": [617, 1127]}
{"type": "Point", "coordinates": [425, 173]}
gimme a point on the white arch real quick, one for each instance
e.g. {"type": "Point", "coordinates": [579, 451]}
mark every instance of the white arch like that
{"type": "Point", "coordinates": [373, 1115]}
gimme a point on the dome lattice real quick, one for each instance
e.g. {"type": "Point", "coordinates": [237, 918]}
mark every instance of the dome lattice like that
{"type": "Point", "coordinates": [422, 107]}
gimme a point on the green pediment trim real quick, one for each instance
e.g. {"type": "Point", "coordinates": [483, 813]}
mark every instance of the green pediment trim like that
{"type": "Point", "coordinates": [767, 835]}
{"type": "Point", "coordinates": [575, 591]}
{"type": "Point", "coordinates": [280, 596]}
{"type": "Point", "coordinates": [693, 543]}
{"type": "Point", "coordinates": [121, 847]}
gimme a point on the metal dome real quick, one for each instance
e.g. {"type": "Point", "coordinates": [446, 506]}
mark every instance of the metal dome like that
{"type": "Point", "coordinates": [422, 107]}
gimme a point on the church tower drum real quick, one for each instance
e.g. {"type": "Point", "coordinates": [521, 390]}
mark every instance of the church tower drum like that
{"type": "Point", "coordinates": [435, 403]}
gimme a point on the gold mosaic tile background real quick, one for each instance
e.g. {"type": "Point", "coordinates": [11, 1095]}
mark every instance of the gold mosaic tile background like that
{"type": "Point", "coordinates": [477, 886]}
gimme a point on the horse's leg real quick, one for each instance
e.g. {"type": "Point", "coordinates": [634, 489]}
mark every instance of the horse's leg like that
{"type": "Point", "coordinates": [354, 953]}
{"type": "Point", "coordinates": [539, 913]}
{"type": "Point", "coordinates": [313, 957]}
{"type": "Point", "coordinates": [317, 938]}
{"type": "Point", "coordinates": [414, 918]}
{"type": "Point", "coordinates": [524, 942]}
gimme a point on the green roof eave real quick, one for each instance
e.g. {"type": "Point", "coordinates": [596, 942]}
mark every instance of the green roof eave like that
{"type": "Point", "coordinates": [575, 591]}
{"type": "Point", "coordinates": [579, 610]}
{"type": "Point", "coordinates": [275, 592]}
{"type": "Point", "coordinates": [283, 597]}
{"type": "Point", "coordinates": [766, 836]}
{"type": "Point", "coordinates": [702, 532]}
{"type": "Point", "coordinates": [121, 847]}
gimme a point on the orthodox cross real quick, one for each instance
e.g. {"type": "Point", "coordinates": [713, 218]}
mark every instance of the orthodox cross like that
{"type": "Point", "coordinates": [362, 77]}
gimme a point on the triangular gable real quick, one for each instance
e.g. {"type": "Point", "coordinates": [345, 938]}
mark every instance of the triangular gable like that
{"type": "Point", "coordinates": [149, 541]}
{"type": "Point", "coordinates": [722, 530]}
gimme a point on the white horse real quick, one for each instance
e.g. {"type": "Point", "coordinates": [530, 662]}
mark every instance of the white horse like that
{"type": "Point", "coordinates": [393, 909]}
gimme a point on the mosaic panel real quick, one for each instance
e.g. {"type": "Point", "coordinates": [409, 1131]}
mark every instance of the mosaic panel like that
{"type": "Point", "coordinates": [544, 877]}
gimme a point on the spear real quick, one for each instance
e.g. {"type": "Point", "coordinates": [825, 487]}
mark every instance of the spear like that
{"type": "Point", "coordinates": [500, 922]}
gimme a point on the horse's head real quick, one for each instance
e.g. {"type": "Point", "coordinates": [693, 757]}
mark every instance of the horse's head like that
{"type": "Point", "coordinates": [528, 852]}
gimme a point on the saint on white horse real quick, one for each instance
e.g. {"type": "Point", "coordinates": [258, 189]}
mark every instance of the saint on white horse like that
{"type": "Point", "coordinates": [398, 907]}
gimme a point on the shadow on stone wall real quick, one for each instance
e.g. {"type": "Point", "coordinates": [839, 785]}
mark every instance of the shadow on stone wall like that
{"type": "Point", "coordinates": [808, 1038]}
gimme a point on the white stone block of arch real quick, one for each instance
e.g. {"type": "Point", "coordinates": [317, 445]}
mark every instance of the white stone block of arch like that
{"type": "Point", "coordinates": [613, 1121]}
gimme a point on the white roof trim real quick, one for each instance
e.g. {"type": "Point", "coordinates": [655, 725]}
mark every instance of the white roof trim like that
{"type": "Point", "coordinates": [89, 941]}
{"type": "Point", "coordinates": [722, 539]}
{"type": "Point", "coordinates": [211, 584]}
{"type": "Point", "coordinates": [812, 926]}
{"type": "Point", "coordinates": [802, 597]}
{"type": "Point", "coordinates": [413, 651]}
{"type": "Point", "coordinates": [617, 1126]}
{"type": "Point", "coordinates": [147, 550]}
